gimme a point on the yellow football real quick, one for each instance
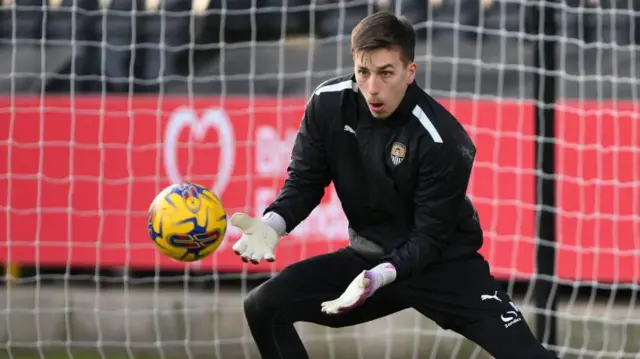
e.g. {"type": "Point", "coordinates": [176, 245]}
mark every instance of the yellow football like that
{"type": "Point", "coordinates": [187, 222]}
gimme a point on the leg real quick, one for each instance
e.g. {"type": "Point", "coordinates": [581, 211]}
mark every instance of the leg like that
{"type": "Point", "coordinates": [295, 295]}
{"type": "Point", "coordinates": [463, 296]}
{"type": "Point", "coordinates": [505, 337]}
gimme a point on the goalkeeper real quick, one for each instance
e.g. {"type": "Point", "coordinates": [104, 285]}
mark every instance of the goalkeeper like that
{"type": "Point", "coordinates": [400, 164]}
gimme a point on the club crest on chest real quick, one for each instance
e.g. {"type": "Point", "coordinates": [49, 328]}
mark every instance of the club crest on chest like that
{"type": "Point", "coordinates": [398, 152]}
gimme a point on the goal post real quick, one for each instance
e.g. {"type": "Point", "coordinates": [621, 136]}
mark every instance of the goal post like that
{"type": "Point", "coordinates": [544, 85]}
{"type": "Point", "coordinates": [105, 102]}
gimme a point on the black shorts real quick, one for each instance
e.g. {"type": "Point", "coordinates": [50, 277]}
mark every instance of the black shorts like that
{"type": "Point", "coordinates": [459, 294]}
{"type": "Point", "coordinates": [451, 293]}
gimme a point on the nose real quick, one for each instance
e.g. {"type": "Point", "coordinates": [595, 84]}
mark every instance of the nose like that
{"type": "Point", "coordinates": [373, 85]}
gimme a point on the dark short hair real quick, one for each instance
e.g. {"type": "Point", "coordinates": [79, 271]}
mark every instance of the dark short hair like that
{"type": "Point", "coordinates": [384, 30]}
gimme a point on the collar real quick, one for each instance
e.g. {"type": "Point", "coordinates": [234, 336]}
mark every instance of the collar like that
{"type": "Point", "coordinates": [408, 103]}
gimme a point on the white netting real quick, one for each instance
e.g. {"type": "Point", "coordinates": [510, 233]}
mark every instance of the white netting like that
{"type": "Point", "coordinates": [90, 91]}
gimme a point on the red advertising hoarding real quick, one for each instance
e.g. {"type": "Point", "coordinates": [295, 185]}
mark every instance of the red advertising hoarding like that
{"type": "Point", "coordinates": [77, 176]}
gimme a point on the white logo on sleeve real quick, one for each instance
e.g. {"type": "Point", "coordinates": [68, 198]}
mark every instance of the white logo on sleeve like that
{"type": "Point", "coordinates": [511, 317]}
{"type": "Point", "coordinates": [349, 129]}
{"type": "Point", "coordinates": [484, 297]}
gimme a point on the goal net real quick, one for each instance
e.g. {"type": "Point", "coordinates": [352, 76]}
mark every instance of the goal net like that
{"type": "Point", "coordinates": [104, 103]}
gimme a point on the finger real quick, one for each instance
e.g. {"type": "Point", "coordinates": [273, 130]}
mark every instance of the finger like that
{"type": "Point", "coordinates": [326, 304]}
{"type": "Point", "coordinates": [337, 308]}
{"type": "Point", "coordinates": [269, 257]}
{"type": "Point", "coordinates": [242, 221]}
{"type": "Point", "coordinates": [325, 309]}
{"type": "Point", "coordinates": [329, 304]}
{"type": "Point", "coordinates": [246, 256]}
{"type": "Point", "coordinates": [255, 259]}
{"type": "Point", "coordinates": [331, 308]}
{"type": "Point", "coordinates": [240, 246]}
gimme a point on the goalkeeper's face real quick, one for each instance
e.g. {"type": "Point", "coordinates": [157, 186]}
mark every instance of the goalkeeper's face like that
{"type": "Point", "coordinates": [383, 79]}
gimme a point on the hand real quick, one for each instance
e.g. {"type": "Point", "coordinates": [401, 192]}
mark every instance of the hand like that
{"type": "Point", "coordinates": [258, 240]}
{"type": "Point", "coordinates": [361, 288]}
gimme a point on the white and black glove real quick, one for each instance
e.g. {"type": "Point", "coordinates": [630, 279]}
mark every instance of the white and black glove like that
{"type": "Point", "coordinates": [259, 236]}
{"type": "Point", "coordinates": [361, 288]}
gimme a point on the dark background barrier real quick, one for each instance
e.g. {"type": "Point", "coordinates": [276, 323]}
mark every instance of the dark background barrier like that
{"type": "Point", "coordinates": [465, 49]}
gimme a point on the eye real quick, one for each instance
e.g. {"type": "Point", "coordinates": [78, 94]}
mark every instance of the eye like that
{"type": "Point", "coordinates": [363, 72]}
{"type": "Point", "coordinates": [386, 73]}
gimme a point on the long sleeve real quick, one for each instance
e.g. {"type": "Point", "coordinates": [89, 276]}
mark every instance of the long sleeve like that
{"type": "Point", "coordinates": [308, 171]}
{"type": "Point", "coordinates": [444, 173]}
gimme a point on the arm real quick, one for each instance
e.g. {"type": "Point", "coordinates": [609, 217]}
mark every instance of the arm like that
{"type": "Point", "coordinates": [442, 184]}
{"type": "Point", "coordinates": [301, 193]}
{"type": "Point", "coordinates": [308, 174]}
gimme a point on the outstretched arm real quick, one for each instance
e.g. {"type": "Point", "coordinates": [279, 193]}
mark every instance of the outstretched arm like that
{"type": "Point", "coordinates": [300, 194]}
{"type": "Point", "coordinates": [308, 173]}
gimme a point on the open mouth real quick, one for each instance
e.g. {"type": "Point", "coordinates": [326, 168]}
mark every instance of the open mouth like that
{"type": "Point", "coordinates": [376, 106]}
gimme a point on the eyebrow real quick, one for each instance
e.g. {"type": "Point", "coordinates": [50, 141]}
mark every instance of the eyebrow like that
{"type": "Point", "coordinates": [383, 67]}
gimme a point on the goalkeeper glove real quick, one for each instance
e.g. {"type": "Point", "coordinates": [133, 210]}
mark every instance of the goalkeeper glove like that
{"type": "Point", "coordinates": [361, 288]}
{"type": "Point", "coordinates": [259, 236]}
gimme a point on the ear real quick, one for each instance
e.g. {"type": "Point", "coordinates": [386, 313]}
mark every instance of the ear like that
{"type": "Point", "coordinates": [412, 68]}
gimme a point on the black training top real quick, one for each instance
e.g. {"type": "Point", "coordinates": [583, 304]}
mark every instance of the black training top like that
{"type": "Point", "coordinates": [402, 181]}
